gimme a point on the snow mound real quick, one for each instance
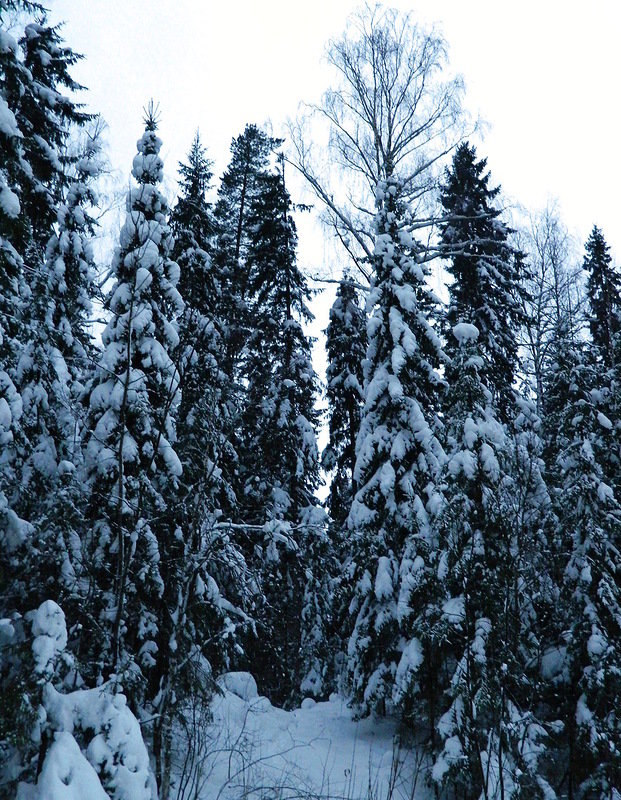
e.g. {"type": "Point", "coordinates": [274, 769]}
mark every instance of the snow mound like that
{"type": "Point", "coordinates": [241, 684]}
{"type": "Point", "coordinates": [65, 775]}
{"type": "Point", "coordinates": [50, 635]}
{"type": "Point", "coordinates": [465, 332]}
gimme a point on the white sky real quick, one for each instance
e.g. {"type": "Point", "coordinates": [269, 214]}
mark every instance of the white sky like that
{"type": "Point", "coordinates": [543, 73]}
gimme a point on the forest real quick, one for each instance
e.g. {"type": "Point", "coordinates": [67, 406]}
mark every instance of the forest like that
{"type": "Point", "coordinates": [160, 515]}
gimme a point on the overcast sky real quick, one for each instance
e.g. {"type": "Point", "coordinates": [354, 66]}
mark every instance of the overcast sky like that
{"type": "Point", "coordinates": [544, 74]}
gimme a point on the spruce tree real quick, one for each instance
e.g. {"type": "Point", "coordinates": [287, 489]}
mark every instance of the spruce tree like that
{"type": "Point", "coordinates": [489, 735]}
{"type": "Point", "coordinates": [204, 572]}
{"type": "Point", "coordinates": [239, 186]}
{"type": "Point", "coordinates": [206, 413]}
{"type": "Point", "coordinates": [13, 292]}
{"type": "Point", "coordinates": [604, 294]}
{"type": "Point", "coordinates": [17, 713]}
{"type": "Point", "coordinates": [485, 268]}
{"type": "Point", "coordinates": [52, 370]}
{"type": "Point", "coordinates": [346, 348]}
{"type": "Point", "coordinates": [45, 115]}
{"type": "Point", "coordinates": [398, 456]}
{"type": "Point", "coordinates": [587, 531]}
{"type": "Point", "coordinates": [47, 372]}
{"type": "Point", "coordinates": [130, 460]}
{"type": "Point", "coordinates": [39, 499]}
{"type": "Point", "coordinates": [280, 455]}
{"type": "Point", "coordinates": [613, 412]}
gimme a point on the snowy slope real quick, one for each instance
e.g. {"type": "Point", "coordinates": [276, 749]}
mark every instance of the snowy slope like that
{"type": "Point", "coordinates": [254, 750]}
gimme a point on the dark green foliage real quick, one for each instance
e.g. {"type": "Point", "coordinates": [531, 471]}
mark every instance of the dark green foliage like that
{"type": "Point", "coordinates": [250, 161]}
{"type": "Point", "coordinates": [346, 346]}
{"type": "Point", "coordinates": [279, 456]}
{"type": "Point", "coordinates": [587, 535]}
{"type": "Point", "coordinates": [604, 293]}
{"type": "Point", "coordinates": [204, 499]}
{"type": "Point", "coordinates": [207, 410]}
{"type": "Point", "coordinates": [486, 270]}
{"type": "Point", "coordinates": [280, 413]}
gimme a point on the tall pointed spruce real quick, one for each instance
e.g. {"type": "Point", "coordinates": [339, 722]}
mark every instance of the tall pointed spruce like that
{"type": "Point", "coordinates": [346, 337]}
{"type": "Point", "coordinates": [239, 187]}
{"type": "Point", "coordinates": [47, 374]}
{"type": "Point", "coordinates": [398, 457]}
{"type": "Point", "coordinates": [588, 532]}
{"type": "Point", "coordinates": [490, 738]}
{"type": "Point", "coordinates": [280, 455]}
{"type": "Point", "coordinates": [604, 293]}
{"type": "Point", "coordinates": [486, 271]}
{"type": "Point", "coordinates": [130, 460]}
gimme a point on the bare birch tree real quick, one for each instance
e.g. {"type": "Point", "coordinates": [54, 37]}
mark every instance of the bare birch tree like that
{"type": "Point", "coordinates": [555, 289]}
{"type": "Point", "coordinates": [391, 113]}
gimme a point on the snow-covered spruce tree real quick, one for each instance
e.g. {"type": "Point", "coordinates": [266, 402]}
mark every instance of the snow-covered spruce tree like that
{"type": "Point", "coordinates": [82, 742]}
{"type": "Point", "coordinates": [53, 370]}
{"type": "Point", "coordinates": [204, 572]}
{"type": "Point", "coordinates": [44, 115]}
{"type": "Point", "coordinates": [13, 293]}
{"type": "Point", "coordinates": [70, 263]}
{"type": "Point", "coordinates": [17, 714]}
{"type": "Point", "coordinates": [490, 740]}
{"type": "Point", "coordinates": [391, 651]}
{"type": "Point", "coordinates": [587, 536]}
{"type": "Point", "coordinates": [38, 431]}
{"type": "Point", "coordinates": [208, 411]}
{"type": "Point", "coordinates": [53, 223]}
{"type": "Point", "coordinates": [129, 456]}
{"type": "Point", "coordinates": [604, 318]}
{"type": "Point", "coordinates": [346, 341]}
{"type": "Point", "coordinates": [346, 337]}
{"type": "Point", "coordinates": [613, 411]}
{"type": "Point", "coordinates": [486, 271]}
{"type": "Point", "coordinates": [206, 415]}
{"type": "Point", "coordinates": [604, 294]}
{"type": "Point", "coordinates": [280, 458]}
{"type": "Point", "coordinates": [240, 184]}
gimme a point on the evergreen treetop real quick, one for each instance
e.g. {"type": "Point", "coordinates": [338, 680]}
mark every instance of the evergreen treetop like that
{"type": "Point", "coordinates": [604, 293]}
{"type": "Point", "coordinates": [346, 349]}
{"type": "Point", "coordinates": [486, 269]}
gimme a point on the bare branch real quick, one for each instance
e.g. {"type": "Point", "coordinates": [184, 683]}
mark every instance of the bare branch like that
{"type": "Point", "coordinates": [391, 113]}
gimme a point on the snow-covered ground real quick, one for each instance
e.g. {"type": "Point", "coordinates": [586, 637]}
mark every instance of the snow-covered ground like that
{"type": "Point", "coordinates": [253, 750]}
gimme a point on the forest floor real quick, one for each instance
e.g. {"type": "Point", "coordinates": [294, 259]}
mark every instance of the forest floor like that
{"type": "Point", "coordinates": [251, 750]}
